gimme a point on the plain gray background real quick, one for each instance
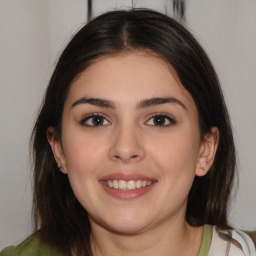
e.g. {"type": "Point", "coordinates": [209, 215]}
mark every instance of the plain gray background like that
{"type": "Point", "coordinates": [32, 34]}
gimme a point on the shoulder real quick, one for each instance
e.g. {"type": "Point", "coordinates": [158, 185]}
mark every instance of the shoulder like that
{"type": "Point", "coordinates": [231, 242]}
{"type": "Point", "coordinates": [32, 246]}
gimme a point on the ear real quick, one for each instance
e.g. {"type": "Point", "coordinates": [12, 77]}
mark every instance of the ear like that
{"type": "Point", "coordinates": [56, 149]}
{"type": "Point", "coordinates": [207, 151]}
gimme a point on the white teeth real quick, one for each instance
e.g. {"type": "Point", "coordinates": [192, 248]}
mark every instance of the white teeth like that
{"type": "Point", "coordinates": [138, 184]}
{"type": "Point", "coordinates": [110, 183]}
{"type": "Point", "coordinates": [122, 184]}
{"type": "Point", "coordinates": [131, 184]}
{"type": "Point", "coordinates": [115, 184]}
{"type": "Point", "coordinates": [127, 185]}
{"type": "Point", "coordinates": [144, 183]}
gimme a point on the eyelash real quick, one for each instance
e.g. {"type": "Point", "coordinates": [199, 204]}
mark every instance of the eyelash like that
{"type": "Point", "coordinates": [91, 116]}
{"type": "Point", "coordinates": [170, 120]}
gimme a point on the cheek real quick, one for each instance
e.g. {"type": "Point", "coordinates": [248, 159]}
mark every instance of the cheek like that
{"type": "Point", "coordinates": [176, 158]}
{"type": "Point", "coordinates": [175, 151]}
{"type": "Point", "coordinates": [176, 162]}
{"type": "Point", "coordinates": [82, 154]}
{"type": "Point", "coordinates": [82, 163]}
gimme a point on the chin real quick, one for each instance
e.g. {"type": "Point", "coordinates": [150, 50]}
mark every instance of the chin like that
{"type": "Point", "coordinates": [128, 228]}
{"type": "Point", "coordinates": [124, 223]}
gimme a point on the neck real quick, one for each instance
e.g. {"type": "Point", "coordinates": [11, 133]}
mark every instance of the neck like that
{"type": "Point", "coordinates": [164, 240]}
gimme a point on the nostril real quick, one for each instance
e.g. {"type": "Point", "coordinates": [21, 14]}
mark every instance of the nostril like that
{"type": "Point", "coordinates": [126, 150]}
{"type": "Point", "coordinates": [125, 158]}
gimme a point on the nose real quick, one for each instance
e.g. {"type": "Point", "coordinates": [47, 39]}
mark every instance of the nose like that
{"type": "Point", "coordinates": [126, 145]}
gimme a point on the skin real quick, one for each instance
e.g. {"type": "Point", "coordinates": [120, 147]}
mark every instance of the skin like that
{"type": "Point", "coordinates": [129, 141]}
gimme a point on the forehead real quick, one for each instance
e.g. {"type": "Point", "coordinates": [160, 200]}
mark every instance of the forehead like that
{"type": "Point", "coordinates": [129, 76]}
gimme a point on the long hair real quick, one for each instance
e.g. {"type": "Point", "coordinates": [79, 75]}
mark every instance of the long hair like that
{"type": "Point", "coordinates": [59, 218]}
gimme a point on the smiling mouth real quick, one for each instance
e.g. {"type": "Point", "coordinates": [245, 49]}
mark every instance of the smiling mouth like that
{"type": "Point", "coordinates": [127, 185]}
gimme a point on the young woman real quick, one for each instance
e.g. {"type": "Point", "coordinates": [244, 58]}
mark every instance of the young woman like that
{"type": "Point", "coordinates": [133, 149]}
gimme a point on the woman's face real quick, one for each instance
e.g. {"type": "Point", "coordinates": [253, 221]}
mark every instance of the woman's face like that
{"type": "Point", "coordinates": [130, 143]}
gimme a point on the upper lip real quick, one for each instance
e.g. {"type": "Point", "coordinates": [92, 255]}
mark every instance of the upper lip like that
{"type": "Point", "coordinates": [126, 177]}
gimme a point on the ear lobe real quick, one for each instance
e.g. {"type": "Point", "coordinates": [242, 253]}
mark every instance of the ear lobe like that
{"type": "Point", "coordinates": [56, 149]}
{"type": "Point", "coordinates": [207, 151]}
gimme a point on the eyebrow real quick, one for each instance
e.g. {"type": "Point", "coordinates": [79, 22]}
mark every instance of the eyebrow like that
{"type": "Point", "coordinates": [143, 104]}
{"type": "Point", "coordinates": [96, 102]}
{"type": "Point", "coordinates": [158, 101]}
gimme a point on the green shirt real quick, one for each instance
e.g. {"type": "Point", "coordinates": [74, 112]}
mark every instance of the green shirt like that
{"type": "Point", "coordinates": [206, 241]}
{"type": "Point", "coordinates": [32, 246]}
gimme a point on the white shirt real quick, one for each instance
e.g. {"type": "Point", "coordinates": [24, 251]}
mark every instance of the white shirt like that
{"type": "Point", "coordinates": [231, 243]}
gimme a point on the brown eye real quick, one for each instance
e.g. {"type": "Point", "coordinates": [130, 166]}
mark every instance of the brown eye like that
{"type": "Point", "coordinates": [95, 120]}
{"type": "Point", "coordinates": [161, 120]}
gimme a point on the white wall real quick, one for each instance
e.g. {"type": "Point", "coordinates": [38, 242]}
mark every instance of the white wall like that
{"type": "Point", "coordinates": [31, 36]}
{"type": "Point", "coordinates": [23, 71]}
{"type": "Point", "coordinates": [227, 30]}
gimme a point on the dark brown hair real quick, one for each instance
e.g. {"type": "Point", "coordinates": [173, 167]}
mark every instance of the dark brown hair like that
{"type": "Point", "coordinates": [59, 218]}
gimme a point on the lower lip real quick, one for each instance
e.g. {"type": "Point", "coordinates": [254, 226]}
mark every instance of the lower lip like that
{"type": "Point", "coordinates": [128, 194]}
